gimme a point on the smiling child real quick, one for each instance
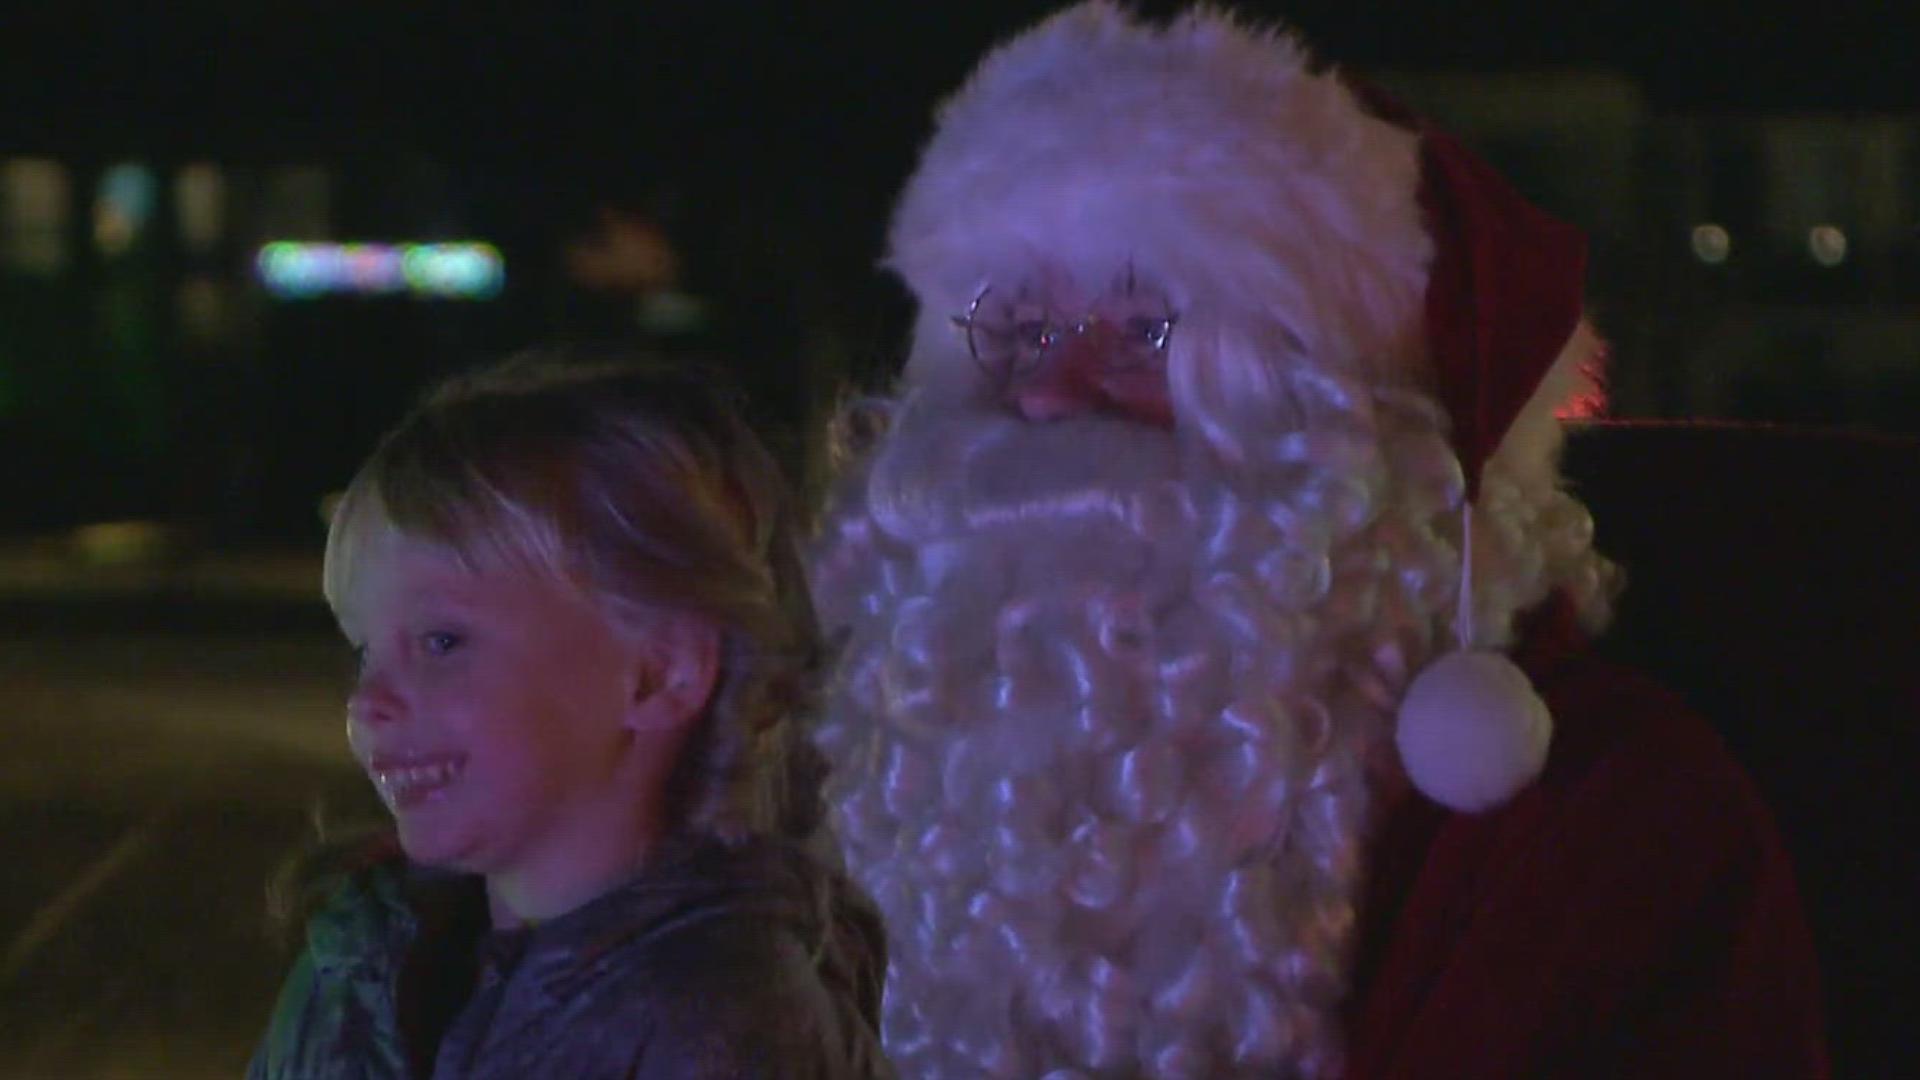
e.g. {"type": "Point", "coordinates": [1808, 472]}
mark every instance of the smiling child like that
{"type": "Point", "coordinates": [585, 660]}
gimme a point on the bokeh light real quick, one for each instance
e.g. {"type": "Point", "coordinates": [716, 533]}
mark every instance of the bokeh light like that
{"type": "Point", "coordinates": [1711, 244]}
{"type": "Point", "coordinates": [125, 202]}
{"type": "Point", "coordinates": [449, 271]}
{"type": "Point", "coordinates": [1827, 244]}
{"type": "Point", "coordinates": [200, 205]}
{"type": "Point", "coordinates": [473, 271]}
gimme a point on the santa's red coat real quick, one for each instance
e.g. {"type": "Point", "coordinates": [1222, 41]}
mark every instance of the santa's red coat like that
{"type": "Point", "coordinates": [1632, 914]}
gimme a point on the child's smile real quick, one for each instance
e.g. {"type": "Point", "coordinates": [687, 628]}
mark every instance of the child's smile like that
{"type": "Point", "coordinates": [408, 781]}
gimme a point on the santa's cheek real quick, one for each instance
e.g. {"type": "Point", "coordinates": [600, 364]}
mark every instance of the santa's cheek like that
{"type": "Point", "coordinates": [1139, 396]}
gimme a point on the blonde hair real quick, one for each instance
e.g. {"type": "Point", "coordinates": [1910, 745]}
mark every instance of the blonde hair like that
{"type": "Point", "coordinates": [639, 484]}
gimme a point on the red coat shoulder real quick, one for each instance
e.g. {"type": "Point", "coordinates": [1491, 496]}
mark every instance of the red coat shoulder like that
{"type": "Point", "coordinates": [1632, 913]}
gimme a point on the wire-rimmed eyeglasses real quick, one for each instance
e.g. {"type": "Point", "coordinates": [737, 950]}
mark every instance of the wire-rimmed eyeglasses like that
{"type": "Point", "coordinates": [1011, 333]}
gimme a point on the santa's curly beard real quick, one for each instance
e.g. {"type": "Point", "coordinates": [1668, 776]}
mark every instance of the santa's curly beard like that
{"type": "Point", "coordinates": [1110, 718]}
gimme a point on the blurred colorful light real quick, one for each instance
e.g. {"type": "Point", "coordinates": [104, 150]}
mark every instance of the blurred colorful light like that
{"type": "Point", "coordinates": [450, 271]}
{"type": "Point", "coordinates": [124, 205]}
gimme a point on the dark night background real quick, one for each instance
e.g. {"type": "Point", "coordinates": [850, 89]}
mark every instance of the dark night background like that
{"type": "Point", "coordinates": [169, 696]}
{"type": "Point", "coordinates": [766, 142]}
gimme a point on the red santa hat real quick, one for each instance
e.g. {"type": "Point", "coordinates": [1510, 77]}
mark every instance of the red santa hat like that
{"type": "Point", "coordinates": [1504, 297]}
{"type": "Point", "coordinates": [1504, 291]}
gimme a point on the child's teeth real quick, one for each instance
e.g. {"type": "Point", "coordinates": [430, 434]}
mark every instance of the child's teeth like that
{"type": "Point", "coordinates": [409, 777]}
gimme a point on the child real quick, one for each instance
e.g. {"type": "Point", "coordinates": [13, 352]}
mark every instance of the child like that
{"type": "Point", "coordinates": [585, 655]}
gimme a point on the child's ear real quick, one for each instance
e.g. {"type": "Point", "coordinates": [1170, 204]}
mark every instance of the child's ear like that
{"type": "Point", "coordinates": [679, 663]}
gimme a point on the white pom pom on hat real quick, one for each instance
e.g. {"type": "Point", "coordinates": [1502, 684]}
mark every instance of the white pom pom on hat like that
{"type": "Point", "coordinates": [1472, 733]}
{"type": "Point", "coordinates": [1503, 299]}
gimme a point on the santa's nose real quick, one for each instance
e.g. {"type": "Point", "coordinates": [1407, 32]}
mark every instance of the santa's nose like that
{"type": "Point", "coordinates": [1084, 373]}
{"type": "Point", "coordinates": [1066, 382]}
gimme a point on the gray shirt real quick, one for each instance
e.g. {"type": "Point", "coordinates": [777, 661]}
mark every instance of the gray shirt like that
{"type": "Point", "coordinates": [751, 961]}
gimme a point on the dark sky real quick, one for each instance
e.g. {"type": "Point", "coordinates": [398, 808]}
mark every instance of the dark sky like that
{"type": "Point", "coordinates": [782, 128]}
{"type": "Point", "coordinates": [811, 108]}
{"type": "Point", "coordinates": [252, 76]}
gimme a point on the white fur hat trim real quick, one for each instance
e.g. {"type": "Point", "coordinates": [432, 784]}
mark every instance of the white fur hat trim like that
{"type": "Point", "coordinates": [1472, 732]}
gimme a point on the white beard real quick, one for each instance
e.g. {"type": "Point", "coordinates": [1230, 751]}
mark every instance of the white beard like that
{"type": "Point", "coordinates": [1106, 727]}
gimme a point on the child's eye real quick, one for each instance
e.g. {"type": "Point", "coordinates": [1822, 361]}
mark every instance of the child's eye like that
{"type": "Point", "coordinates": [440, 642]}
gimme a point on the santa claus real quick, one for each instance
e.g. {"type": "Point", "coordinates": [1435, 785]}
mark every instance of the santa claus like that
{"type": "Point", "coordinates": [1213, 698]}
